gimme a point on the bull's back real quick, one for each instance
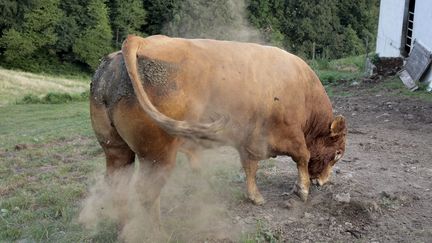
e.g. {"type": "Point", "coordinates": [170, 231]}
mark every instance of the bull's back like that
{"type": "Point", "coordinates": [225, 69]}
{"type": "Point", "coordinates": [243, 81]}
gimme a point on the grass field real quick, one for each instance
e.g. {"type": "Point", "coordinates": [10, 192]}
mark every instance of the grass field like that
{"type": "Point", "coordinates": [47, 155]}
{"type": "Point", "coordinates": [47, 159]}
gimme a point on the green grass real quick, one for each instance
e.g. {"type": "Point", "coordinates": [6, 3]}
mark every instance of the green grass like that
{"type": "Point", "coordinates": [37, 123]}
{"type": "Point", "coordinates": [394, 86]}
{"type": "Point", "coordinates": [41, 184]}
{"type": "Point", "coordinates": [262, 234]}
{"type": "Point", "coordinates": [330, 71]}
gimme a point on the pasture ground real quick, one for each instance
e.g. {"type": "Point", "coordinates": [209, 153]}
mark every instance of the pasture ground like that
{"type": "Point", "coordinates": [381, 191]}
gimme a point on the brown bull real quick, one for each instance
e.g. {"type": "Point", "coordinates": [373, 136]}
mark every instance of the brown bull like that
{"type": "Point", "coordinates": [261, 100]}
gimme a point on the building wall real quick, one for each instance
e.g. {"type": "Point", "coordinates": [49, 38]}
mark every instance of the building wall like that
{"type": "Point", "coordinates": [423, 28]}
{"type": "Point", "coordinates": [390, 26]}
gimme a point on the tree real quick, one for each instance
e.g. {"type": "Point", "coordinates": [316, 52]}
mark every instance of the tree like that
{"type": "Point", "coordinates": [159, 13]}
{"type": "Point", "coordinates": [267, 16]}
{"type": "Point", "coordinates": [95, 41]}
{"type": "Point", "coordinates": [49, 33]}
{"type": "Point", "coordinates": [353, 44]}
{"type": "Point", "coordinates": [70, 28]}
{"type": "Point", "coordinates": [36, 33]}
{"type": "Point", "coordinates": [127, 17]}
{"type": "Point", "coordinates": [12, 13]}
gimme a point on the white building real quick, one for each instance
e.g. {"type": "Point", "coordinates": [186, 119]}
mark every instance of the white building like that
{"type": "Point", "coordinates": [400, 23]}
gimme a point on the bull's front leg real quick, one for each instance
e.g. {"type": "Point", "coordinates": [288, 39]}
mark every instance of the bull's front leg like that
{"type": "Point", "coordinates": [250, 167]}
{"type": "Point", "coordinates": [297, 149]}
{"type": "Point", "coordinates": [301, 188]}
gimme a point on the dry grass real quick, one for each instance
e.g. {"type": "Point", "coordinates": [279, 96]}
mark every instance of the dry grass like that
{"type": "Point", "coordinates": [14, 85]}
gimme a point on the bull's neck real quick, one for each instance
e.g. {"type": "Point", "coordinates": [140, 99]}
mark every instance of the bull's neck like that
{"type": "Point", "coordinates": [318, 125]}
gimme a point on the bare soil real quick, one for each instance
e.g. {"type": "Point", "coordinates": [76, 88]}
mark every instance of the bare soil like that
{"type": "Point", "coordinates": [381, 191]}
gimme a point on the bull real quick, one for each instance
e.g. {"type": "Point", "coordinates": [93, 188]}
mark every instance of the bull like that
{"type": "Point", "coordinates": [159, 92]}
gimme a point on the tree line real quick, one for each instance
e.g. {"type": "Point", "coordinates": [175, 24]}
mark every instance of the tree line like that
{"type": "Point", "coordinates": [70, 36]}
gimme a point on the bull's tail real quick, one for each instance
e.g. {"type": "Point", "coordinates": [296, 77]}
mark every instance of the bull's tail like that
{"type": "Point", "coordinates": [208, 131]}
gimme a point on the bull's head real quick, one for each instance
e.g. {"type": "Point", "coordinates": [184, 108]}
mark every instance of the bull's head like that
{"type": "Point", "coordinates": [327, 150]}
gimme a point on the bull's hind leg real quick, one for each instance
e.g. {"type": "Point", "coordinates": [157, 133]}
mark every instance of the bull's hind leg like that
{"type": "Point", "coordinates": [119, 158]}
{"type": "Point", "coordinates": [155, 169]}
{"type": "Point", "coordinates": [250, 167]}
{"type": "Point", "coordinates": [191, 152]}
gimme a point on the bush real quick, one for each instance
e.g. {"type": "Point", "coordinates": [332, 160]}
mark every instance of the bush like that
{"type": "Point", "coordinates": [57, 98]}
{"type": "Point", "coordinates": [319, 64]}
{"type": "Point", "coordinates": [54, 98]}
{"type": "Point", "coordinates": [30, 99]}
{"type": "Point", "coordinates": [330, 77]}
{"type": "Point", "coordinates": [375, 59]}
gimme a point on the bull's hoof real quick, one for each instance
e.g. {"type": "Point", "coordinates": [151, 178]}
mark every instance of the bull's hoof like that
{"type": "Point", "coordinates": [301, 193]}
{"type": "Point", "coordinates": [256, 198]}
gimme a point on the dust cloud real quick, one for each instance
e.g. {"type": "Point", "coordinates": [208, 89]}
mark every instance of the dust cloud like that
{"type": "Point", "coordinates": [194, 206]}
{"type": "Point", "coordinates": [221, 19]}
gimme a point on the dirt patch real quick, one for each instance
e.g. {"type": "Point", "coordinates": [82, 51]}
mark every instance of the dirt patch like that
{"type": "Point", "coordinates": [385, 67]}
{"type": "Point", "coordinates": [388, 66]}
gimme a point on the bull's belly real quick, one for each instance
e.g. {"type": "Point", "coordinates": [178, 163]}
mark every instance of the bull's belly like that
{"type": "Point", "coordinates": [145, 137]}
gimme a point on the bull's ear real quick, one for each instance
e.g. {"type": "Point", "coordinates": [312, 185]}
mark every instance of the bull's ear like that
{"type": "Point", "coordinates": [338, 126]}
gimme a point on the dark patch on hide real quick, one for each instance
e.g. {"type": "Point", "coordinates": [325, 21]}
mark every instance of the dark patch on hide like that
{"type": "Point", "coordinates": [157, 74]}
{"type": "Point", "coordinates": [111, 81]}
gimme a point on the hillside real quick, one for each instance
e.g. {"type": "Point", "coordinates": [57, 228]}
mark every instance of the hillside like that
{"type": "Point", "coordinates": [14, 85]}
